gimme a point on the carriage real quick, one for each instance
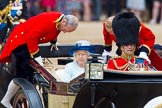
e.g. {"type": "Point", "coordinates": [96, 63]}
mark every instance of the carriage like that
{"type": "Point", "coordinates": [103, 89]}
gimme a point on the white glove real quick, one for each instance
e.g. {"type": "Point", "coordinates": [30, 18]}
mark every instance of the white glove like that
{"type": "Point", "coordinates": [39, 60]}
{"type": "Point", "coordinates": [19, 12]}
{"type": "Point", "coordinates": [144, 55]}
{"type": "Point", "coordinates": [104, 55]}
{"type": "Point", "coordinates": [54, 47]}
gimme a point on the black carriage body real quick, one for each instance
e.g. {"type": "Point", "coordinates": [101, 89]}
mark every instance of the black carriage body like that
{"type": "Point", "coordinates": [118, 89]}
{"type": "Point", "coordinates": [64, 50]}
{"type": "Point", "coordinates": [121, 90]}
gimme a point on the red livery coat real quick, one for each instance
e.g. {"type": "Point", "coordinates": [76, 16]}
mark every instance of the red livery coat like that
{"type": "Point", "coordinates": [146, 37]}
{"type": "Point", "coordinates": [38, 29]}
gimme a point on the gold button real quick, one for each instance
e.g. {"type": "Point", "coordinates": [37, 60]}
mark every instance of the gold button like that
{"type": "Point", "coordinates": [16, 36]}
{"type": "Point", "coordinates": [44, 37]}
{"type": "Point", "coordinates": [22, 32]}
{"type": "Point", "coordinates": [40, 38]}
{"type": "Point", "coordinates": [11, 40]}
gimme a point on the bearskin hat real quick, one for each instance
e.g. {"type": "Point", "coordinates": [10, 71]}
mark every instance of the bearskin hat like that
{"type": "Point", "coordinates": [126, 28]}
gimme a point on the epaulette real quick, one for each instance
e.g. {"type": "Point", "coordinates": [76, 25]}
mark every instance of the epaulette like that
{"type": "Point", "coordinates": [59, 20]}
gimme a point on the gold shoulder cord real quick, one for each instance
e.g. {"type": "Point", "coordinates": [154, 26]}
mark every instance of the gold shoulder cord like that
{"type": "Point", "coordinates": [4, 13]}
{"type": "Point", "coordinates": [124, 67]}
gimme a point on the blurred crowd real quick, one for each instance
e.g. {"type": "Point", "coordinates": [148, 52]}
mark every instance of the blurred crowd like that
{"type": "Point", "coordinates": [97, 10]}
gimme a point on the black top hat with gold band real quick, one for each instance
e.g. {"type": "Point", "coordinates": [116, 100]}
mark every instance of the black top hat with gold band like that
{"type": "Point", "coordinates": [126, 28]}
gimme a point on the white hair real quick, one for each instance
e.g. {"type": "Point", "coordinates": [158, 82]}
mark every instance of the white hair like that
{"type": "Point", "coordinates": [78, 50]}
{"type": "Point", "coordinates": [71, 20]}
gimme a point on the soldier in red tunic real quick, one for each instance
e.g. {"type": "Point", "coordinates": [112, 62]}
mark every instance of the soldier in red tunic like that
{"type": "Point", "coordinates": [24, 40]}
{"type": "Point", "coordinates": [144, 46]}
{"type": "Point", "coordinates": [126, 27]}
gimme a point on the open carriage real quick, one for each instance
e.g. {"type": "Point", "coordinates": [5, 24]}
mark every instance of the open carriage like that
{"type": "Point", "coordinates": [116, 89]}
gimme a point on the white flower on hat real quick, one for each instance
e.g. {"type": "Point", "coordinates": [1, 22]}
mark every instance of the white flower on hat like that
{"type": "Point", "coordinates": [82, 43]}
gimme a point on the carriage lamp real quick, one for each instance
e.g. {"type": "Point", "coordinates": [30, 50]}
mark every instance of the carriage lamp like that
{"type": "Point", "coordinates": [94, 69]}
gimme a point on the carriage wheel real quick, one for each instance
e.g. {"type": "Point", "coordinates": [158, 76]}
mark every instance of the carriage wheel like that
{"type": "Point", "coordinates": [105, 103]}
{"type": "Point", "coordinates": [20, 100]}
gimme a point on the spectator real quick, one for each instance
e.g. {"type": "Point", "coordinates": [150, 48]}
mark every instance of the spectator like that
{"type": "Point", "coordinates": [48, 5]}
{"type": "Point", "coordinates": [136, 6]}
{"type": "Point", "coordinates": [74, 7]}
{"type": "Point", "coordinates": [113, 6]}
{"type": "Point", "coordinates": [33, 7]}
{"type": "Point", "coordinates": [62, 7]}
{"type": "Point", "coordinates": [87, 12]}
{"type": "Point", "coordinates": [156, 10]}
{"type": "Point", "coordinates": [97, 5]}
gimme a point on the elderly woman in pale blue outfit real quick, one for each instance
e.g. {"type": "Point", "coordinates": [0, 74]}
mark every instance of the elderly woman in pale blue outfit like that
{"type": "Point", "coordinates": [73, 69]}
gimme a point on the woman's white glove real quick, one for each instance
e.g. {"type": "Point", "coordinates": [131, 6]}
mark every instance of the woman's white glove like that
{"type": "Point", "coordinates": [106, 55]}
{"type": "Point", "coordinates": [144, 55]}
{"type": "Point", "coordinates": [39, 60]}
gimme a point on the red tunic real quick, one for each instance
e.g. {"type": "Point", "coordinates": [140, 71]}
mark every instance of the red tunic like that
{"type": "Point", "coordinates": [108, 38]}
{"type": "Point", "coordinates": [121, 64]}
{"type": "Point", "coordinates": [38, 29]}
